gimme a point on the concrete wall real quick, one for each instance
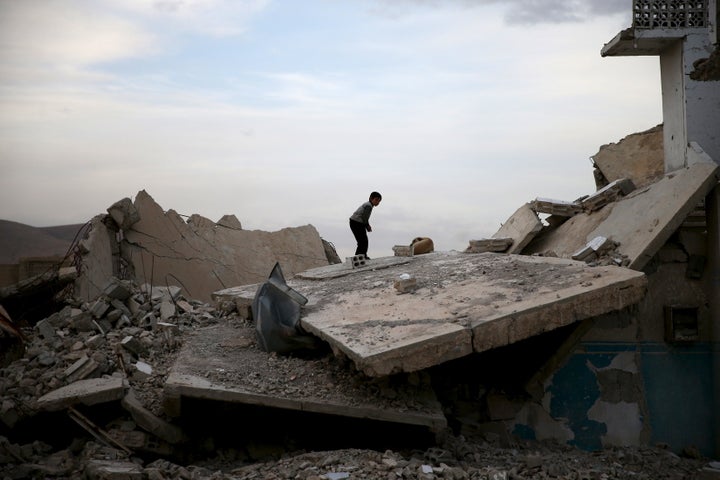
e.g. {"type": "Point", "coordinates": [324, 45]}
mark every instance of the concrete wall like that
{"type": "Point", "coordinates": [702, 98]}
{"type": "Point", "coordinates": [673, 104]}
{"type": "Point", "coordinates": [690, 107]}
{"type": "Point", "coordinates": [624, 384]}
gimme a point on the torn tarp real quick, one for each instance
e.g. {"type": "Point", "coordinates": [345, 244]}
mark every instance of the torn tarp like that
{"type": "Point", "coordinates": [276, 310]}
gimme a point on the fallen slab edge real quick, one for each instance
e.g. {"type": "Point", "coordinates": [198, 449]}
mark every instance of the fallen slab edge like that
{"type": "Point", "coordinates": [180, 385]}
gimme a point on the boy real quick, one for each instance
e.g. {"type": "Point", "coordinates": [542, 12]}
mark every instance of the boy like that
{"type": "Point", "coordinates": [360, 223]}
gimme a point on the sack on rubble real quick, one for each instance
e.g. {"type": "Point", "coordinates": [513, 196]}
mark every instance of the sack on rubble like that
{"type": "Point", "coordinates": [276, 310]}
{"type": "Point", "coordinates": [422, 245]}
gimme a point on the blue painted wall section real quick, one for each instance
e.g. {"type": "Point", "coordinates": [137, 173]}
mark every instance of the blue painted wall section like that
{"type": "Point", "coordinates": [678, 386]}
{"type": "Point", "coordinates": [679, 394]}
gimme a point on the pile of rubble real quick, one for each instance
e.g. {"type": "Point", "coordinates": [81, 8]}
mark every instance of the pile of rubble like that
{"type": "Point", "coordinates": [128, 338]}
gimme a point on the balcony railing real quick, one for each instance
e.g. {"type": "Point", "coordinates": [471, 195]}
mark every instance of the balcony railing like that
{"type": "Point", "coordinates": [670, 14]}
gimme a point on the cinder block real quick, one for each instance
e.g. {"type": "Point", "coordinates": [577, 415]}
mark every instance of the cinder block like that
{"type": "Point", "coordinates": [356, 261]}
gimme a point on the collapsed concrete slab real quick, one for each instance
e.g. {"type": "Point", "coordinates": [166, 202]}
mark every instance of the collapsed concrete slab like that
{"type": "Point", "coordinates": [639, 223]}
{"type": "Point", "coordinates": [522, 227]}
{"type": "Point", "coordinates": [223, 363]}
{"type": "Point", "coordinates": [86, 392]}
{"type": "Point", "coordinates": [460, 304]}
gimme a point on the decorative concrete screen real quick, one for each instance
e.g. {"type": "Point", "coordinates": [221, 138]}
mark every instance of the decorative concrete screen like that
{"type": "Point", "coordinates": [670, 14]}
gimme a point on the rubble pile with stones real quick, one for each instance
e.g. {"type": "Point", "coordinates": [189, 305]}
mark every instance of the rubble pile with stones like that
{"type": "Point", "coordinates": [134, 333]}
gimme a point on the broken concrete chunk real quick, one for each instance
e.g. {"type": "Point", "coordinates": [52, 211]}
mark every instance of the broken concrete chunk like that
{"type": "Point", "coordinates": [87, 392]}
{"type": "Point", "coordinates": [149, 422]}
{"type": "Point", "coordinates": [607, 194]}
{"type": "Point", "coordinates": [124, 213]}
{"type": "Point", "coordinates": [99, 308]}
{"type": "Point", "coordinates": [158, 292]}
{"type": "Point", "coordinates": [82, 368]}
{"type": "Point", "coordinates": [230, 221]}
{"type": "Point", "coordinates": [405, 283]}
{"type": "Point", "coordinates": [560, 208]}
{"type": "Point", "coordinates": [113, 470]}
{"type": "Point", "coordinates": [133, 345]}
{"type": "Point", "coordinates": [522, 227]}
{"type": "Point", "coordinates": [167, 310]}
{"type": "Point", "coordinates": [45, 329]}
{"type": "Point", "coordinates": [403, 250]}
{"type": "Point", "coordinates": [498, 245]}
{"type": "Point", "coordinates": [83, 322]}
{"type": "Point", "coordinates": [116, 289]}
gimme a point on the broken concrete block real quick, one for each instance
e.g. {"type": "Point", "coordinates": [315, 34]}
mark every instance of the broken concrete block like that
{"type": "Point", "coordinates": [584, 254]}
{"type": "Point", "coordinates": [489, 245]}
{"type": "Point", "coordinates": [600, 244]}
{"type": "Point", "coordinates": [167, 310]}
{"type": "Point", "coordinates": [149, 422]}
{"type": "Point", "coordinates": [230, 221]}
{"type": "Point", "coordinates": [144, 369]}
{"type": "Point", "coordinates": [116, 289]}
{"type": "Point", "coordinates": [87, 392]}
{"type": "Point", "coordinates": [99, 308]}
{"type": "Point", "coordinates": [82, 368]}
{"type": "Point", "coordinates": [560, 208]}
{"type": "Point", "coordinates": [124, 213]}
{"type": "Point", "coordinates": [522, 227]}
{"type": "Point", "coordinates": [243, 305]}
{"type": "Point", "coordinates": [157, 293]}
{"type": "Point", "coordinates": [45, 329]}
{"type": "Point", "coordinates": [185, 306]}
{"type": "Point", "coordinates": [83, 322]}
{"type": "Point", "coordinates": [113, 470]}
{"type": "Point", "coordinates": [356, 261]}
{"type": "Point", "coordinates": [405, 283]}
{"type": "Point", "coordinates": [403, 250]}
{"type": "Point", "coordinates": [133, 345]}
{"type": "Point", "coordinates": [607, 194]}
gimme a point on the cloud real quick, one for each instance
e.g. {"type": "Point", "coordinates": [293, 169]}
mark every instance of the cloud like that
{"type": "Point", "coordinates": [520, 12]}
{"type": "Point", "coordinates": [220, 18]}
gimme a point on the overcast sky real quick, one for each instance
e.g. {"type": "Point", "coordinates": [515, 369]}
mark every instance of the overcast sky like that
{"type": "Point", "coordinates": [286, 113]}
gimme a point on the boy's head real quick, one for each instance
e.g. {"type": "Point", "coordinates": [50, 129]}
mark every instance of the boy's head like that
{"type": "Point", "coordinates": [375, 198]}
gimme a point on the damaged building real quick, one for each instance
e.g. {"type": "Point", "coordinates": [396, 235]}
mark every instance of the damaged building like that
{"type": "Point", "coordinates": [591, 322]}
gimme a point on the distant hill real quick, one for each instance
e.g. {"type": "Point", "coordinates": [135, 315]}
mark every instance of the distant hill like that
{"type": "Point", "coordinates": [18, 240]}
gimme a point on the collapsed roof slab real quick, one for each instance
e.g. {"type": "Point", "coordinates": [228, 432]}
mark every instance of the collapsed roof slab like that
{"type": "Point", "coordinates": [462, 303]}
{"type": "Point", "coordinates": [640, 222]}
{"type": "Point", "coordinates": [223, 363]}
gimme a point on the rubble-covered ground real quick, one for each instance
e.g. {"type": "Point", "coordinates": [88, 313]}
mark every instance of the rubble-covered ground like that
{"type": "Point", "coordinates": [137, 334]}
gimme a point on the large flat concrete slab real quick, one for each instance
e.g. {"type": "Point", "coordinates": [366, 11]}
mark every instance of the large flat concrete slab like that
{"type": "Point", "coordinates": [640, 222]}
{"type": "Point", "coordinates": [462, 303]}
{"type": "Point", "coordinates": [224, 363]}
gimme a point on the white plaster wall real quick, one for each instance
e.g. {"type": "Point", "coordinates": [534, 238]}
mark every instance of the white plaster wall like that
{"type": "Point", "coordinates": [622, 420]}
{"type": "Point", "coordinates": [673, 103]}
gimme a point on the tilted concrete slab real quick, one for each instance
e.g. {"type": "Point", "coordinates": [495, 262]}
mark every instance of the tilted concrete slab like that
{"type": "Point", "coordinates": [223, 363]}
{"type": "Point", "coordinates": [86, 392]}
{"type": "Point", "coordinates": [522, 227]}
{"type": "Point", "coordinates": [640, 222]}
{"type": "Point", "coordinates": [462, 303]}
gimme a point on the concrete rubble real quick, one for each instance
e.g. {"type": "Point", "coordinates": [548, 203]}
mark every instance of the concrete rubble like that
{"type": "Point", "coordinates": [140, 380]}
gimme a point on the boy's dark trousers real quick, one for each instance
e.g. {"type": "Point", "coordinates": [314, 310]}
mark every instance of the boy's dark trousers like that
{"type": "Point", "coordinates": [358, 229]}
